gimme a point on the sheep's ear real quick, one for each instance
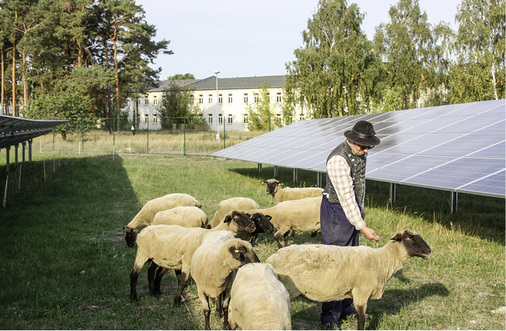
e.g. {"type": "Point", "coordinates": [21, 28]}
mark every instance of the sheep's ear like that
{"type": "Point", "coordinates": [397, 237]}
{"type": "Point", "coordinates": [237, 252]}
{"type": "Point", "coordinates": [228, 219]}
{"type": "Point", "coordinates": [269, 217]}
{"type": "Point", "coordinates": [281, 184]}
{"type": "Point", "coordinates": [263, 182]}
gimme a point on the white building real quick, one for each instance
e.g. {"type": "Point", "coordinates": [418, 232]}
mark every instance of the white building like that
{"type": "Point", "coordinates": [226, 102]}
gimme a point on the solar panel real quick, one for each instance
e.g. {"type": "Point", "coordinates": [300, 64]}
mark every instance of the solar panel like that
{"type": "Point", "coordinates": [460, 148]}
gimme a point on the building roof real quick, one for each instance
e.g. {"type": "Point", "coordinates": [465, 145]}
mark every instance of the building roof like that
{"type": "Point", "coordinates": [209, 83]}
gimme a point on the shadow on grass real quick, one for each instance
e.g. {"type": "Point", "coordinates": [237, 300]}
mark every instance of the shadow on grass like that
{"type": "Point", "coordinates": [391, 304]}
{"type": "Point", "coordinates": [478, 216]}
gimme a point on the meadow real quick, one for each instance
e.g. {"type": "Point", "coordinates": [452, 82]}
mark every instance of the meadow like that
{"type": "Point", "coordinates": [65, 264]}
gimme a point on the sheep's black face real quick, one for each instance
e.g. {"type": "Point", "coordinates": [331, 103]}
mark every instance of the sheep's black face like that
{"type": "Point", "coordinates": [263, 222]}
{"type": "Point", "coordinates": [130, 236]}
{"type": "Point", "coordinates": [414, 244]}
{"type": "Point", "coordinates": [272, 186]}
{"type": "Point", "coordinates": [244, 254]}
{"type": "Point", "coordinates": [243, 221]}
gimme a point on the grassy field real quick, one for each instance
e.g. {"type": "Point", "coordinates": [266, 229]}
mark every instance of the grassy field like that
{"type": "Point", "coordinates": [65, 265]}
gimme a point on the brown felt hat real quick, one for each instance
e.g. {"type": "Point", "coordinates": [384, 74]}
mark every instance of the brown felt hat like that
{"type": "Point", "coordinates": [363, 134]}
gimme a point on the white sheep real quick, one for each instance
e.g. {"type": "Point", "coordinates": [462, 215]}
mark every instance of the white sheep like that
{"type": "Point", "coordinates": [186, 216]}
{"type": "Point", "coordinates": [213, 268]}
{"type": "Point", "coordinates": [299, 215]}
{"type": "Point", "coordinates": [289, 193]}
{"type": "Point", "coordinates": [145, 216]}
{"type": "Point", "coordinates": [326, 273]}
{"type": "Point", "coordinates": [258, 300]}
{"type": "Point", "coordinates": [172, 247]}
{"type": "Point", "coordinates": [226, 206]}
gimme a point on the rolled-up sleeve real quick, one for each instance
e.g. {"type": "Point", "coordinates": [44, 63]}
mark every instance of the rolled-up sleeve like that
{"type": "Point", "coordinates": [339, 173]}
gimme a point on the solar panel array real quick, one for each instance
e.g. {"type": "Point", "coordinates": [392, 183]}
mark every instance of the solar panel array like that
{"type": "Point", "coordinates": [15, 130]}
{"type": "Point", "coordinates": [459, 148]}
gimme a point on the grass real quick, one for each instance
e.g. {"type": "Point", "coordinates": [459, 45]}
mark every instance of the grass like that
{"type": "Point", "coordinates": [65, 264]}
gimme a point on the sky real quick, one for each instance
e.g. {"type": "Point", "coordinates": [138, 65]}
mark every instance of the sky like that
{"type": "Point", "coordinates": [245, 38]}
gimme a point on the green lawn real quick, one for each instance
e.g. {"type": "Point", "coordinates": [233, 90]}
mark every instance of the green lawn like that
{"type": "Point", "coordinates": [65, 265]}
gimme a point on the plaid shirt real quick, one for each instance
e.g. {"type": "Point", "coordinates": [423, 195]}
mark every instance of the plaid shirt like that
{"type": "Point", "coordinates": [339, 173]}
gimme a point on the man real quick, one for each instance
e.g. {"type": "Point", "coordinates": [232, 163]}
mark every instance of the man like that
{"type": "Point", "coordinates": [342, 209]}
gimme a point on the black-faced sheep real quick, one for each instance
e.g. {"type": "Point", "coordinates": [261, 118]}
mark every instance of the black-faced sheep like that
{"type": "Point", "coordinates": [212, 267]}
{"type": "Point", "coordinates": [332, 273]}
{"type": "Point", "coordinates": [145, 216]}
{"type": "Point", "coordinates": [172, 247]}
{"type": "Point", "coordinates": [226, 206]}
{"type": "Point", "coordinates": [299, 215]}
{"type": "Point", "coordinates": [258, 300]}
{"type": "Point", "coordinates": [262, 225]}
{"type": "Point", "coordinates": [289, 193]}
{"type": "Point", "coordinates": [186, 216]}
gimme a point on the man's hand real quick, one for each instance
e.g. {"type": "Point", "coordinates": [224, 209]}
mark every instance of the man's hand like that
{"type": "Point", "coordinates": [369, 234]}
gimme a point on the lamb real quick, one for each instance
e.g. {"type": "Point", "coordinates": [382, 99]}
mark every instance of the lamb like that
{"type": "Point", "coordinates": [172, 247]}
{"type": "Point", "coordinates": [186, 216]}
{"type": "Point", "coordinates": [332, 273]}
{"type": "Point", "coordinates": [301, 215]}
{"type": "Point", "coordinates": [258, 300]}
{"type": "Point", "coordinates": [213, 268]}
{"type": "Point", "coordinates": [226, 206]}
{"type": "Point", "coordinates": [289, 193]}
{"type": "Point", "coordinates": [145, 216]}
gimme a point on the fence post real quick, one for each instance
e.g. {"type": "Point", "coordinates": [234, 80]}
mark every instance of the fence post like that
{"type": "Point", "coordinates": [147, 138]}
{"type": "Point", "coordinates": [113, 137]}
{"type": "Point", "coordinates": [5, 191]}
{"type": "Point", "coordinates": [224, 133]}
{"type": "Point", "coordinates": [184, 136]}
{"type": "Point", "coordinates": [82, 132]}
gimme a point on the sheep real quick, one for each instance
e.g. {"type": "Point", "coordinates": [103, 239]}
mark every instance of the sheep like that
{"type": "Point", "coordinates": [262, 225]}
{"type": "Point", "coordinates": [289, 193]}
{"type": "Point", "coordinates": [213, 268]}
{"type": "Point", "coordinates": [258, 300]}
{"type": "Point", "coordinates": [172, 247]}
{"type": "Point", "coordinates": [332, 273]}
{"type": "Point", "coordinates": [186, 216]}
{"type": "Point", "coordinates": [226, 206]}
{"type": "Point", "coordinates": [145, 216]}
{"type": "Point", "coordinates": [301, 215]}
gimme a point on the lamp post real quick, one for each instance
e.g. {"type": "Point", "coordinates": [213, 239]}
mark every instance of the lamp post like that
{"type": "Point", "coordinates": [217, 107]}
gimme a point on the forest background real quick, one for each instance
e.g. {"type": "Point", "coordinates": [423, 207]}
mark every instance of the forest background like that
{"type": "Point", "coordinates": [82, 60]}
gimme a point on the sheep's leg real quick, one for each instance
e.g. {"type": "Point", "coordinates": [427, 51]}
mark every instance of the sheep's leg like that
{"type": "Point", "coordinates": [276, 237]}
{"type": "Point", "coordinates": [286, 237]}
{"type": "Point", "coordinates": [151, 279]}
{"type": "Point", "coordinates": [134, 275]}
{"type": "Point", "coordinates": [181, 280]}
{"type": "Point", "coordinates": [158, 278]}
{"type": "Point", "coordinates": [361, 316]}
{"type": "Point", "coordinates": [133, 283]}
{"type": "Point", "coordinates": [207, 310]}
{"type": "Point", "coordinates": [225, 299]}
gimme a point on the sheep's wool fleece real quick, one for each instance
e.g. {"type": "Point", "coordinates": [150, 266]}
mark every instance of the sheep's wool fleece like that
{"type": "Point", "coordinates": [328, 273]}
{"type": "Point", "coordinates": [256, 287]}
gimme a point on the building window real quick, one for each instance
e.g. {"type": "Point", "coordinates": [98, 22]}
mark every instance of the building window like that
{"type": "Point", "coordinates": [209, 118]}
{"type": "Point", "coordinates": [146, 100]}
{"type": "Point", "coordinates": [278, 97]}
{"type": "Point", "coordinates": [268, 97]}
{"type": "Point", "coordinates": [155, 119]}
{"type": "Point", "coordinates": [278, 116]}
{"type": "Point", "coordinates": [230, 119]}
{"type": "Point", "coordinates": [301, 117]}
{"type": "Point", "coordinates": [146, 116]}
{"type": "Point", "coordinates": [255, 97]}
{"type": "Point", "coordinates": [220, 99]}
{"type": "Point", "coordinates": [245, 98]}
{"type": "Point", "coordinates": [192, 98]}
{"type": "Point", "coordinates": [220, 119]}
{"type": "Point", "coordinates": [244, 118]}
{"type": "Point", "coordinates": [210, 98]}
{"type": "Point", "coordinates": [155, 100]}
{"type": "Point", "coordinates": [201, 98]}
{"type": "Point", "coordinates": [230, 98]}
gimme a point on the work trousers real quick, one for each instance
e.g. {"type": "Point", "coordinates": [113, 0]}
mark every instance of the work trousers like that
{"type": "Point", "coordinates": [336, 230]}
